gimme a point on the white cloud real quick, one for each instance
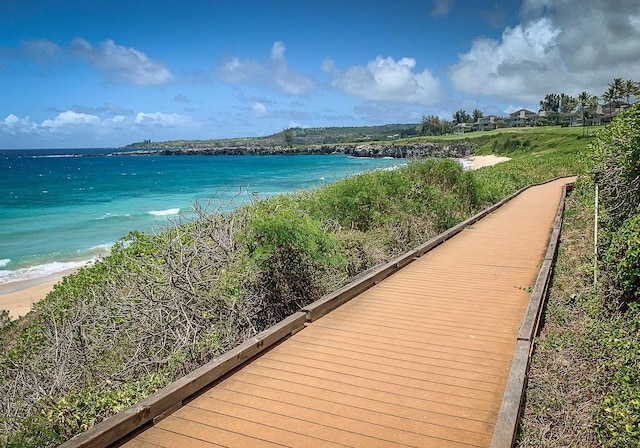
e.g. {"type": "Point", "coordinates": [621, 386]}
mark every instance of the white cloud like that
{"type": "Point", "coordinates": [93, 128]}
{"type": "Point", "coordinates": [259, 109]}
{"type": "Point", "coordinates": [522, 64]}
{"type": "Point", "coordinates": [117, 120]}
{"type": "Point", "coordinates": [122, 65]}
{"type": "Point", "coordinates": [70, 118]}
{"type": "Point", "coordinates": [13, 125]}
{"type": "Point", "coordinates": [556, 48]}
{"type": "Point", "coordinates": [272, 73]}
{"type": "Point", "coordinates": [384, 79]}
{"type": "Point", "coordinates": [11, 120]}
{"type": "Point", "coordinates": [164, 120]}
{"type": "Point", "coordinates": [277, 51]}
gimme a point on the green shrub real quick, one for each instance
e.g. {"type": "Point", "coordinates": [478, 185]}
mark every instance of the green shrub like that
{"type": "Point", "coordinates": [361, 202]}
{"type": "Point", "coordinates": [295, 259]}
{"type": "Point", "coordinates": [60, 418]}
{"type": "Point", "coordinates": [4, 319]}
{"type": "Point", "coordinates": [615, 152]}
{"type": "Point", "coordinates": [621, 262]}
{"type": "Point", "coordinates": [617, 416]}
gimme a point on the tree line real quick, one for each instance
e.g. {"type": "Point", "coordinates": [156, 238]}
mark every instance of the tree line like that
{"type": "Point", "coordinates": [585, 103]}
{"type": "Point", "coordinates": [619, 92]}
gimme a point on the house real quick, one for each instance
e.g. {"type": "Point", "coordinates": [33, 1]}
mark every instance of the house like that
{"type": "Point", "coordinates": [569, 119]}
{"type": "Point", "coordinates": [462, 128]}
{"type": "Point", "coordinates": [488, 123]}
{"type": "Point", "coordinates": [564, 119]}
{"type": "Point", "coordinates": [522, 117]}
{"type": "Point", "coordinates": [610, 110]}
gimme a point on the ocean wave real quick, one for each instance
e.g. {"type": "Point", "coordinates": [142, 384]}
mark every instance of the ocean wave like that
{"type": "Point", "coordinates": [167, 212]}
{"type": "Point", "coordinates": [113, 215]}
{"type": "Point", "coordinates": [5, 262]}
{"type": "Point", "coordinates": [102, 249]}
{"type": "Point", "coordinates": [41, 270]}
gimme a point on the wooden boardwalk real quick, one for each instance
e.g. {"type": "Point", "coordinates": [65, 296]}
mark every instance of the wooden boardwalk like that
{"type": "Point", "coordinates": [419, 360]}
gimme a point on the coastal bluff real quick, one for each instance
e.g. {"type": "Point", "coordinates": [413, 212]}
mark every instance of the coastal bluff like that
{"type": "Point", "coordinates": [413, 150]}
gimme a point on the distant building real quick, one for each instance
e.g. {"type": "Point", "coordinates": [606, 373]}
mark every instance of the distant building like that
{"type": "Point", "coordinates": [462, 128]}
{"type": "Point", "coordinates": [520, 118]}
{"type": "Point", "coordinates": [488, 123]}
{"type": "Point", "coordinates": [602, 114]}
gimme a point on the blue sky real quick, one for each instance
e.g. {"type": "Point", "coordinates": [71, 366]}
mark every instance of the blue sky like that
{"type": "Point", "coordinates": [106, 73]}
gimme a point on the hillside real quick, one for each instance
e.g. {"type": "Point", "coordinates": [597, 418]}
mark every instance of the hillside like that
{"type": "Point", "coordinates": [293, 136]}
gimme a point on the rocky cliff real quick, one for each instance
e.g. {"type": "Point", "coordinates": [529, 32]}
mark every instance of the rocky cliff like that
{"type": "Point", "coordinates": [414, 150]}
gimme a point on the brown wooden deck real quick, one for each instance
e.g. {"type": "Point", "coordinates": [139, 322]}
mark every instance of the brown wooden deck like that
{"type": "Point", "coordinates": [419, 360]}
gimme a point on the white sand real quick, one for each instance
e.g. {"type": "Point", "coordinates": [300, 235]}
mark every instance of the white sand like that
{"type": "Point", "coordinates": [19, 297]}
{"type": "Point", "coordinates": [475, 162]}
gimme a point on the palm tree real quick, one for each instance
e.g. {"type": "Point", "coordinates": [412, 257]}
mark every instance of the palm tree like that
{"type": "Point", "coordinates": [609, 96]}
{"type": "Point", "coordinates": [618, 89]}
{"type": "Point", "coordinates": [583, 100]}
{"type": "Point", "coordinates": [630, 89]}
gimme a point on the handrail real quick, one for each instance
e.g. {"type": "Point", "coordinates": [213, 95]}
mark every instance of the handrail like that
{"type": "Point", "coordinates": [506, 428]}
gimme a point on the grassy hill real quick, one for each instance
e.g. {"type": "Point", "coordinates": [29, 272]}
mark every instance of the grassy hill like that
{"type": "Point", "coordinates": [298, 136]}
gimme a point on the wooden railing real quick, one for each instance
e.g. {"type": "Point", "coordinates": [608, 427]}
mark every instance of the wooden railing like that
{"type": "Point", "coordinates": [509, 415]}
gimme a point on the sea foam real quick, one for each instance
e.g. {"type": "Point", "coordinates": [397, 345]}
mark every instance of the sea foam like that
{"type": "Point", "coordinates": [167, 212]}
{"type": "Point", "coordinates": [113, 215]}
{"type": "Point", "coordinates": [5, 262]}
{"type": "Point", "coordinates": [41, 270]}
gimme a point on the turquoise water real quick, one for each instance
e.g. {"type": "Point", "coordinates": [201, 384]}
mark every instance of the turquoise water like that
{"type": "Point", "coordinates": [59, 210]}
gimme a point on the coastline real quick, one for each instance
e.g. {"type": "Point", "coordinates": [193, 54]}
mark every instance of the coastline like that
{"type": "Point", "coordinates": [18, 297]}
{"type": "Point", "coordinates": [476, 162]}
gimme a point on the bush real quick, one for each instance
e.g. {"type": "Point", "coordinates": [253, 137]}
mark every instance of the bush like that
{"type": "Point", "coordinates": [615, 152]}
{"type": "Point", "coordinates": [621, 262]}
{"type": "Point", "coordinates": [617, 416]}
{"type": "Point", "coordinates": [362, 202]}
{"type": "Point", "coordinates": [295, 260]}
{"type": "Point", "coordinates": [5, 321]}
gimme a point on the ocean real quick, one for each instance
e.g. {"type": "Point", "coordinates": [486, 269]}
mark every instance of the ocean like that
{"type": "Point", "coordinates": [60, 209]}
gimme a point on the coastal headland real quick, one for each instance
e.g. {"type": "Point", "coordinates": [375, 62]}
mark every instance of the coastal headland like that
{"type": "Point", "coordinates": [411, 150]}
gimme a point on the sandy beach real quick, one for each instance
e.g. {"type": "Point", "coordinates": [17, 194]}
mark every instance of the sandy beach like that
{"type": "Point", "coordinates": [475, 162]}
{"type": "Point", "coordinates": [19, 297]}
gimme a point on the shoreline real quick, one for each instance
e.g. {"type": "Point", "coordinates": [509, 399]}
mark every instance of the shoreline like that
{"type": "Point", "coordinates": [19, 297]}
{"type": "Point", "coordinates": [476, 162]}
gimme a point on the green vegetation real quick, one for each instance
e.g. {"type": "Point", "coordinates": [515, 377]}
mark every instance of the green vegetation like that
{"type": "Point", "coordinates": [161, 305]}
{"type": "Point", "coordinates": [616, 153]}
{"type": "Point", "coordinates": [584, 385]}
{"type": "Point", "coordinates": [295, 136]}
